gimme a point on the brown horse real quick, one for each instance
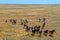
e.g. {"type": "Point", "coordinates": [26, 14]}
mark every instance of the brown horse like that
{"type": "Point", "coordinates": [46, 32]}
{"type": "Point", "coordinates": [44, 19]}
{"type": "Point", "coordinates": [51, 33]}
{"type": "Point", "coordinates": [13, 21]}
{"type": "Point", "coordinates": [35, 29]}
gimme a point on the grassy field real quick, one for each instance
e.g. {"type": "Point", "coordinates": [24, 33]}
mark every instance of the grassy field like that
{"type": "Point", "coordinates": [32, 13]}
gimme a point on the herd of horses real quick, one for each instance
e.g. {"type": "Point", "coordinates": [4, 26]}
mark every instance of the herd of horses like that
{"type": "Point", "coordinates": [35, 29]}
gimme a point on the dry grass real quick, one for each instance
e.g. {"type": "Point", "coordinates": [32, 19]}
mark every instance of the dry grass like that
{"type": "Point", "coordinates": [16, 32]}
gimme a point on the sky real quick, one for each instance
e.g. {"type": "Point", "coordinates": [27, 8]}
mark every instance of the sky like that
{"type": "Point", "coordinates": [29, 1]}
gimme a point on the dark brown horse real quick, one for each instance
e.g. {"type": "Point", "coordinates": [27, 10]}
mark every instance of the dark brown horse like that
{"type": "Point", "coordinates": [51, 32]}
{"type": "Point", "coordinates": [40, 33]}
{"type": "Point", "coordinates": [21, 22]}
{"type": "Point", "coordinates": [35, 29]}
{"type": "Point", "coordinates": [13, 21]}
{"type": "Point", "coordinates": [44, 19]}
{"type": "Point", "coordinates": [5, 21]}
{"type": "Point", "coordinates": [39, 19]}
{"type": "Point", "coordinates": [43, 25]}
{"type": "Point", "coordinates": [27, 28]}
{"type": "Point", "coordinates": [46, 32]}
